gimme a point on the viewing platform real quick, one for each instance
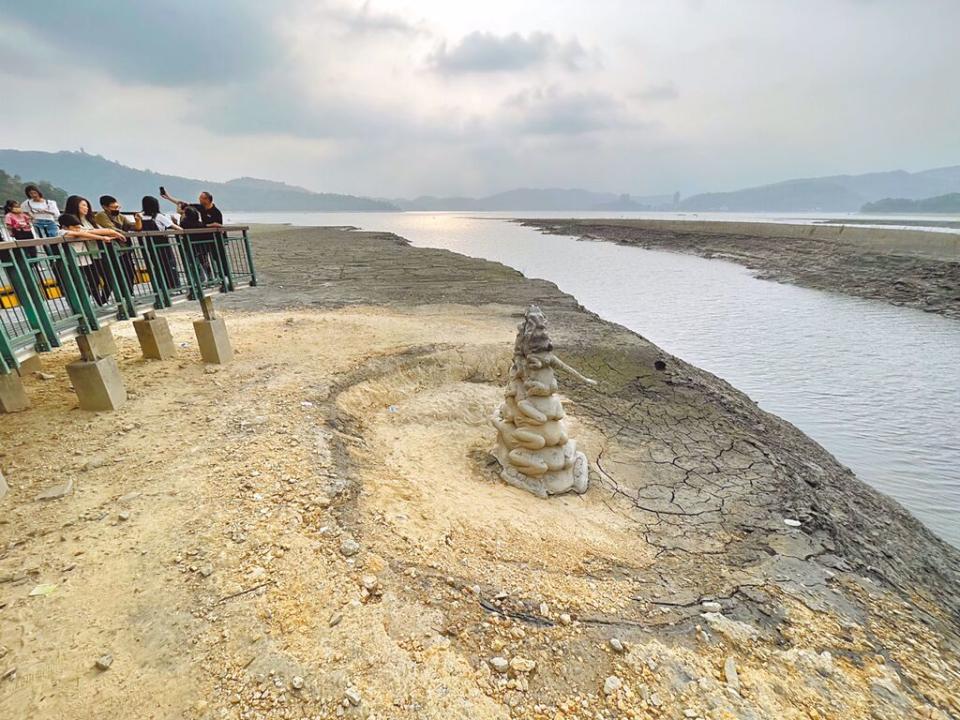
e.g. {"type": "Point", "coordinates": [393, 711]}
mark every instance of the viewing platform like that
{"type": "Point", "coordinates": [53, 290]}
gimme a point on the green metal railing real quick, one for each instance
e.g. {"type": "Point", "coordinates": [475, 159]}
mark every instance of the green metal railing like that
{"type": "Point", "coordinates": [52, 290]}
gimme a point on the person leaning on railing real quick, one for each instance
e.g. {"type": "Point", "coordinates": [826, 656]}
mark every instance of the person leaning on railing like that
{"type": "Point", "coordinates": [92, 261]}
{"type": "Point", "coordinates": [19, 226]}
{"type": "Point", "coordinates": [111, 218]}
{"type": "Point", "coordinates": [154, 220]}
{"type": "Point", "coordinates": [72, 230]}
{"type": "Point", "coordinates": [17, 221]}
{"type": "Point", "coordinates": [210, 216]}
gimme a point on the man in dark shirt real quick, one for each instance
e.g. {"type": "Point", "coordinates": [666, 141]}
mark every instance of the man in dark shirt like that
{"type": "Point", "coordinates": [111, 218]}
{"type": "Point", "coordinates": [210, 214]}
{"type": "Point", "coordinates": [204, 244]}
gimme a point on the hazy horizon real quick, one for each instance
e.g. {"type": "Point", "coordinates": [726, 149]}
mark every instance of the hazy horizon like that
{"type": "Point", "coordinates": [399, 99]}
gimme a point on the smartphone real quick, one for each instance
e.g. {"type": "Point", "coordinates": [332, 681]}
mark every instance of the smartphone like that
{"type": "Point", "coordinates": [163, 190]}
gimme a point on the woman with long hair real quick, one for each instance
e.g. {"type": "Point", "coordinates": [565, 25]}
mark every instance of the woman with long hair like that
{"type": "Point", "coordinates": [154, 220]}
{"type": "Point", "coordinates": [43, 213]}
{"type": "Point", "coordinates": [90, 258]}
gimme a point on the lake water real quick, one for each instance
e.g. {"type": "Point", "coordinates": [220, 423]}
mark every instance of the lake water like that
{"type": "Point", "coordinates": [877, 385]}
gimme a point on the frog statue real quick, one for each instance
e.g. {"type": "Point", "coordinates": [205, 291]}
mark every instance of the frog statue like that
{"type": "Point", "coordinates": [533, 448]}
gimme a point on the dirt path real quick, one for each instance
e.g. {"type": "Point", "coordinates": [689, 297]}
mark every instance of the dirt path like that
{"type": "Point", "coordinates": [880, 271]}
{"type": "Point", "coordinates": [315, 530]}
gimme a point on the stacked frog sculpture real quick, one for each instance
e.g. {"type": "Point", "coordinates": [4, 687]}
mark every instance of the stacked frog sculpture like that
{"type": "Point", "coordinates": [533, 447]}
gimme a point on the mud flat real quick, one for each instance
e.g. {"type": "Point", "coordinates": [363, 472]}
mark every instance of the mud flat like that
{"type": "Point", "coordinates": [316, 530]}
{"type": "Point", "coordinates": [916, 268]}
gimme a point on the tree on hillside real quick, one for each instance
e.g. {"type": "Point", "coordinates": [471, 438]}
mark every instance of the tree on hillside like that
{"type": "Point", "coordinates": [11, 188]}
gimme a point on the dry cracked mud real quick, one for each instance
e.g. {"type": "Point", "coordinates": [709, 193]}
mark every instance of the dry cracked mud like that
{"type": "Point", "coordinates": [316, 530]}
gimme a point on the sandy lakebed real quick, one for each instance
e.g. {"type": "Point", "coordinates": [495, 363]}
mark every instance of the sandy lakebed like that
{"type": "Point", "coordinates": [902, 266]}
{"type": "Point", "coordinates": [316, 529]}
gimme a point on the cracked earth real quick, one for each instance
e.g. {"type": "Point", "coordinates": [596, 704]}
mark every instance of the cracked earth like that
{"type": "Point", "coordinates": [318, 530]}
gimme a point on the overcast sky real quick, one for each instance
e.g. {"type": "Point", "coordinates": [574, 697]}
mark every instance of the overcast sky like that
{"type": "Point", "coordinates": [395, 98]}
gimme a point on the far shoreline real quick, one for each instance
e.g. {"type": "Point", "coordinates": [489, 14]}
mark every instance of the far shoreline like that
{"type": "Point", "coordinates": [904, 267]}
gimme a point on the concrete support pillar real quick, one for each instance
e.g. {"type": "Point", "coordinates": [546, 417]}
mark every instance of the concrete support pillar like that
{"type": "Point", "coordinates": [155, 339]}
{"type": "Point", "coordinates": [96, 376]}
{"type": "Point", "coordinates": [31, 365]}
{"type": "Point", "coordinates": [212, 336]}
{"type": "Point", "coordinates": [97, 344]}
{"type": "Point", "coordinates": [13, 398]}
{"type": "Point", "coordinates": [98, 384]}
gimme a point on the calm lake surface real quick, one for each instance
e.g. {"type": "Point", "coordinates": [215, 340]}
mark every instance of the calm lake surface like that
{"type": "Point", "coordinates": [877, 385]}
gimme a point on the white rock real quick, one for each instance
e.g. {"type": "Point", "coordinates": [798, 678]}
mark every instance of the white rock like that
{"type": "Point", "coordinates": [730, 673]}
{"type": "Point", "coordinates": [617, 645]}
{"type": "Point", "coordinates": [369, 582]}
{"type": "Point", "coordinates": [57, 491]}
{"type": "Point", "coordinates": [297, 682]}
{"type": "Point", "coordinates": [565, 619]}
{"type": "Point", "coordinates": [789, 522]}
{"type": "Point", "coordinates": [349, 547]}
{"type": "Point", "coordinates": [824, 663]}
{"type": "Point", "coordinates": [522, 665]}
{"type": "Point", "coordinates": [711, 606]}
{"type": "Point", "coordinates": [611, 685]}
{"type": "Point", "coordinates": [500, 664]}
{"type": "Point", "coordinates": [352, 696]}
{"type": "Point", "coordinates": [732, 629]}
{"type": "Point", "coordinates": [655, 700]}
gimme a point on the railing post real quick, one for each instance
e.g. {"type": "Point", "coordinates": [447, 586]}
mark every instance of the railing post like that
{"type": "Point", "coordinates": [37, 297]}
{"type": "Point", "coordinates": [190, 265]}
{"type": "Point", "coordinates": [161, 299]}
{"type": "Point", "coordinates": [124, 292]}
{"type": "Point", "coordinates": [74, 282]}
{"type": "Point", "coordinates": [220, 243]}
{"type": "Point", "coordinates": [249, 251]}
{"type": "Point", "coordinates": [27, 302]}
{"type": "Point", "coordinates": [8, 360]}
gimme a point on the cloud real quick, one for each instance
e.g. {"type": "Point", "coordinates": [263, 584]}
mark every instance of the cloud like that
{"type": "Point", "coordinates": [481, 52]}
{"type": "Point", "coordinates": [657, 93]}
{"type": "Point", "coordinates": [180, 42]}
{"type": "Point", "coordinates": [366, 21]}
{"type": "Point", "coordinates": [549, 111]}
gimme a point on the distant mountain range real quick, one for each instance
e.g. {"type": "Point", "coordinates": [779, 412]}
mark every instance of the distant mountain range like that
{"type": "Point", "coordinates": [836, 193]}
{"type": "Point", "coordinates": [93, 176]}
{"type": "Point", "coordinates": [949, 203]}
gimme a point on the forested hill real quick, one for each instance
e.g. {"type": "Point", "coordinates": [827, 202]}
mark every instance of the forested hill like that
{"type": "Point", "coordinates": [949, 203]}
{"type": "Point", "coordinates": [836, 193]}
{"type": "Point", "coordinates": [93, 176]}
{"type": "Point", "coordinates": [11, 188]}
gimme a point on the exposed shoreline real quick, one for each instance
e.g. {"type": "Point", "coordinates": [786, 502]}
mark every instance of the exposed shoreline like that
{"type": "Point", "coordinates": [913, 268]}
{"type": "Point", "coordinates": [356, 409]}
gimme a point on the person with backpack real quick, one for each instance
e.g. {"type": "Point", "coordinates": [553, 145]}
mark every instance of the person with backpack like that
{"type": "Point", "coordinates": [153, 220]}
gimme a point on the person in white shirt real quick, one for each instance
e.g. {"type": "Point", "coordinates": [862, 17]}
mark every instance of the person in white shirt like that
{"type": "Point", "coordinates": [43, 213]}
{"type": "Point", "coordinates": [154, 220]}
